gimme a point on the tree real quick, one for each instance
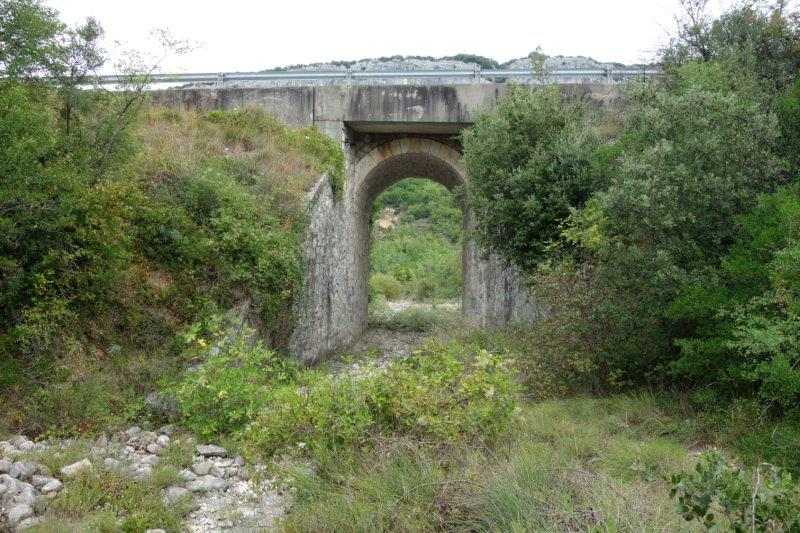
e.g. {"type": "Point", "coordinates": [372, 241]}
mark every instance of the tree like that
{"type": "Point", "coordinates": [529, 161]}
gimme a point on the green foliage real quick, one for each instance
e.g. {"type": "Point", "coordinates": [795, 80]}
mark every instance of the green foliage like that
{"type": "Point", "coordinates": [29, 32]}
{"type": "Point", "coordinates": [788, 110]}
{"type": "Point", "coordinates": [530, 160]}
{"type": "Point", "coordinates": [417, 317]}
{"type": "Point", "coordinates": [746, 312]}
{"type": "Point", "coordinates": [226, 392]}
{"type": "Point", "coordinates": [721, 496]}
{"type": "Point", "coordinates": [581, 464]}
{"type": "Point", "coordinates": [693, 158]}
{"type": "Point", "coordinates": [120, 227]}
{"type": "Point", "coordinates": [114, 500]}
{"type": "Point", "coordinates": [440, 392]}
{"type": "Point", "coordinates": [419, 255]}
{"type": "Point", "coordinates": [759, 39]}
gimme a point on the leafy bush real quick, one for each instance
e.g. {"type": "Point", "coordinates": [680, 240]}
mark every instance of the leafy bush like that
{"type": "Point", "coordinates": [719, 495]}
{"type": "Point", "coordinates": [385, 286]}
{"type": "Point", "coordinates": [439, 392]}
{"type": "Point", "coordinates": [226, 392]}
{"type": "Point", "coordinates": [426, 265]}
{"type": "Point", "coordinates": [746, 312]}
{"type": "Point", "coordinates": [121, 226]}
{"type": "Point", "coordinates": [529, 160]}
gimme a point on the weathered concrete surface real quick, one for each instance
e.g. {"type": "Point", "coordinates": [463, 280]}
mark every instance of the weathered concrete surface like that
{"type": "Point", "coordinates": [399, 105]}
{"type": "Point", "coordinates": [331, 312]}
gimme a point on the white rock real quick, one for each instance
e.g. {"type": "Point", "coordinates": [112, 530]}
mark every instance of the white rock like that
{"type": "Point", "coordinates": [238, 460]}
{"type": "Point", "coordinates": [167, 430]}
{"type": "Point", "coordinates": [149, 460]}
{"type": "Point", "coordinates": [53, 486]}
{"type": "Point", "coordinates": [75, 468]}
{"type": "Point", "coordinates": [162, 440]}
{"type": "Point", "coordinates": [203, 468]}
{"type": "Point", "coordinates": [187, 475]}
{"type": "Point", "coordinates": [154, 531]}
{"type": "Point", "coordinates": [173, 494]}
{"type": "Point", "coordinates": [29, 522]}
{"type": "Point", "coordinates": [133, 431]}
{"type": "Point", "coordinates": [18, 513]}
{"type": "Point", "coordinates": [207, 483]}
{"type": "Point", "coordinates": [22, 470]}
{"type": "Point", "coordinates": [210, 450]}
{"type": "Point", "coordinates": [112, 464]}
{"type": "Point", "coordinates": [25, 496]}
{"type": "Point", "coordinates": [5, 466]}
{"type": "Point", "coordinates": [153, 448]}
{"type": "Point", "coordinates": [39, 481]}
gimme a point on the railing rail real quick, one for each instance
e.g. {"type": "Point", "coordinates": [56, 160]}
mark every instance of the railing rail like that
{"type": "Point", "coordinates": [221, 77]}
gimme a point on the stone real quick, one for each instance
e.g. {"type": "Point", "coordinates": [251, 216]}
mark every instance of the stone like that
{"type": "Point", "coordinates": [112, 464]}
{"type": "Point", "coordinates": [52, 486]}
{"type": "Point", "coordinates": [142, 472]}
{"type": "Point", "coordinates": [26, 495]}
{"type": "Point", "coordinates": [76, 468]}
{"type": "Point", "coordinates": [5, 466]}
{"type": "Point", "coordinates": [203, 468]}
{"type": "Point", "coordinates": [18, 513]}
{"type": "Point", "coordinates": [148, 437]}
{"type": "Point", "coordinates": [153, 448]}
{"type": "Point", "coordinates": [22, 470]}
{"type": "Point", "coordinates": [238, 461]}
{"type": "Point", "coordinates": [40, 481]}
{"type": "Point", "coordinates": [162, 440]}
{"type": "Point", "coordinates": [133, 431]}
{"type": "Point", "coordinates": [187, 475]}
{"type": "Point", "coordinates": [155, 531]}
{"type": "Point", "coordinates": [167, 430]}
{"type": "Point", "coordinates": [173, 494]}
{"type": "Point", "coordinates": [149, 460]}
{"type": "Point", "coordinates": [206, 484]}
{"type": "Point", "coordinates": [6, 448]}
{"type": "Point", "coordinates": [210, 450]}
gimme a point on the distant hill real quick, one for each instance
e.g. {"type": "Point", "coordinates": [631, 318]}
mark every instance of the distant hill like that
{"type": "Point", "coordinates": [454, 62]}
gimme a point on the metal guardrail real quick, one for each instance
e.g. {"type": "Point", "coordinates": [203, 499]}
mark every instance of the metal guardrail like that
{"type": "Point", "coordinates": [478, 74]}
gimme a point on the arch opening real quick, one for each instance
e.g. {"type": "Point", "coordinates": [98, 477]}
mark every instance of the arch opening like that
{"type": "Point", "coordinates": [388, 165]}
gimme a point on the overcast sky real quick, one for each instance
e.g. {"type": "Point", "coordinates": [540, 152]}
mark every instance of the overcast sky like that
{"type": "Point", "coordinates": [242, 35]}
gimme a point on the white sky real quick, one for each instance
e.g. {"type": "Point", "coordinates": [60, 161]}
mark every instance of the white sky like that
{"type": "Point", "coordinates": [245, 35]}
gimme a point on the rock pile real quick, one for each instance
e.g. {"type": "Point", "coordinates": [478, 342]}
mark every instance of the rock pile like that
{"type": "Point", "coordinates": [220, 488]}
{"type": "Point", "coordinates": [25, 486]}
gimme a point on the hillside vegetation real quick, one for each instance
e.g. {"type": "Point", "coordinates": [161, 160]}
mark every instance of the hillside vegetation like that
{"type": "Point", "coordinates": [661, 391]}
{"type": "Point", "coordinates": [104, 266]}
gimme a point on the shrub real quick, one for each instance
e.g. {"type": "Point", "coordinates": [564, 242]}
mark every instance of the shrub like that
{"type": "Point", "coordinates": [720, 495]}
{"type": "Point", "coordinates": [384, 285]}
{"type": "Point", "coordinates": [439, 393]}
{"type": "Point", "coordinates": [228, 389]}
{"type": "Point", "coordinates": [746, 312]}
{"type": "Point", "coordinates": [529, 160]}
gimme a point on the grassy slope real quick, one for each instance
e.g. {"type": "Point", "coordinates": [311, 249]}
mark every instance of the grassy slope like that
{"type": "Point", "coordinates": [216, 205]}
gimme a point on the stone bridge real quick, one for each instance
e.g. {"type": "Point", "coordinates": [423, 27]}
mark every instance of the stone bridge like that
{"type": "Point", "coordinates": [388, 133]}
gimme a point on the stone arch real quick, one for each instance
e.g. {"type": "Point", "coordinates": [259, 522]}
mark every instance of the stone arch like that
{"type": "Point", "coordinates": [331, 311]}
{"type": "Point", "coordinates": [381, 168]}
